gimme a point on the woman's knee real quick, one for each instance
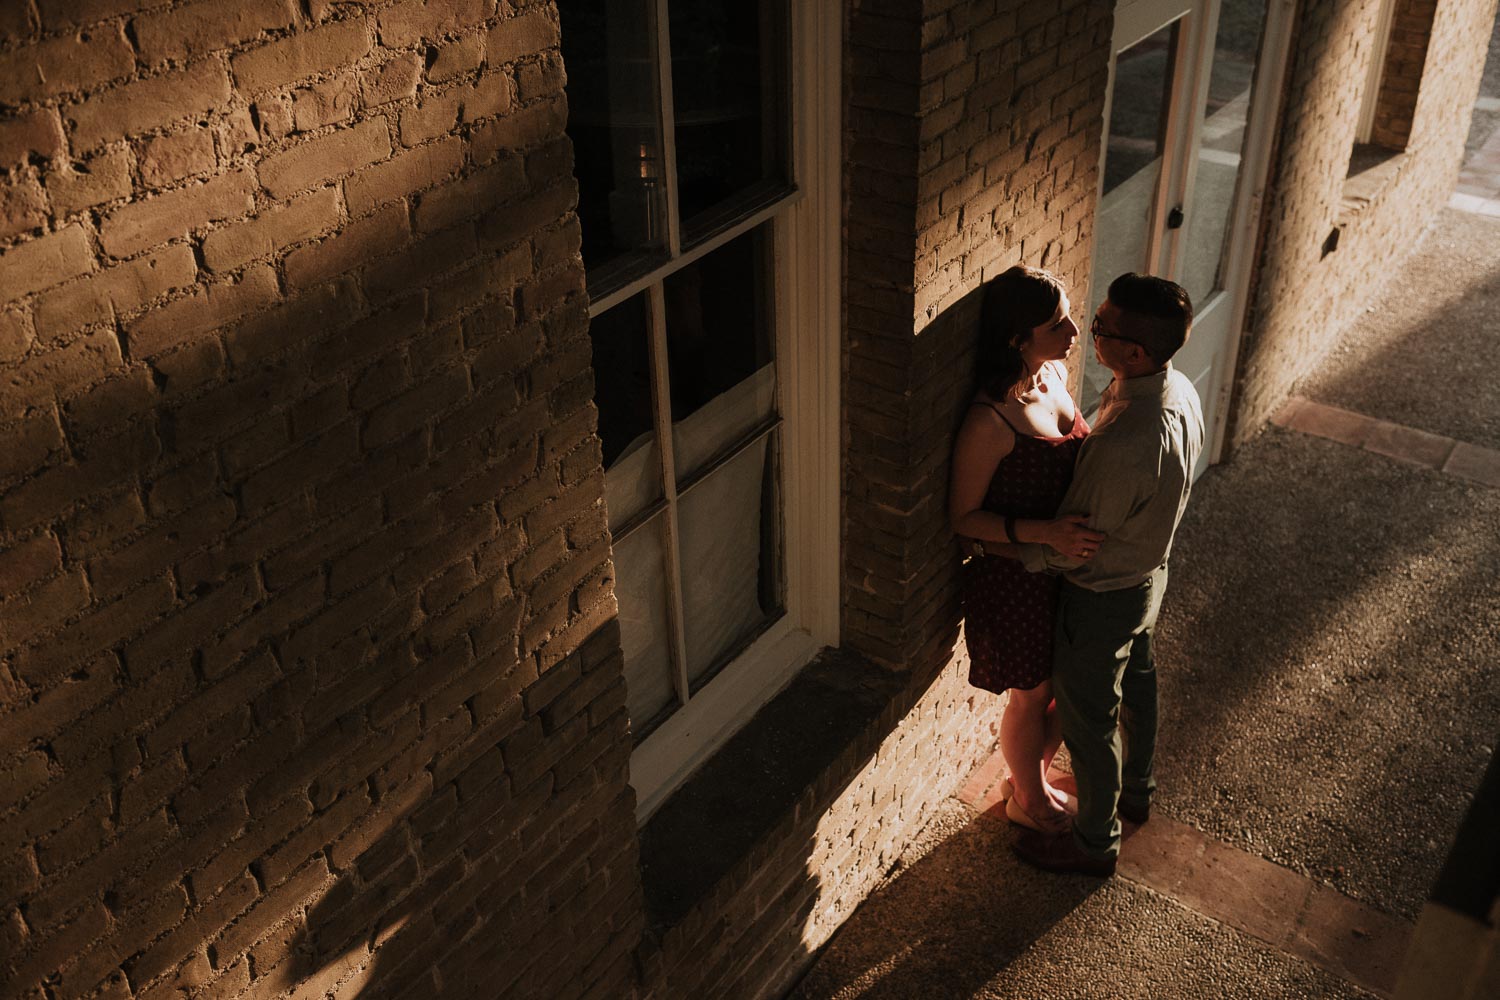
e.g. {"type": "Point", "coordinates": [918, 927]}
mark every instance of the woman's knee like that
{"type": "Point", "coordinates": [1032, 699]}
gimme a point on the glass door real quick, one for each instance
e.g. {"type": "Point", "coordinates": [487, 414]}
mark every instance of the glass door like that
{"type": "Point", "coordinates": [1180, 153]}
{"type": "Point", "coordinates": [1137, 146]}
{"type": "Point", "coordinates": [1209, 255]}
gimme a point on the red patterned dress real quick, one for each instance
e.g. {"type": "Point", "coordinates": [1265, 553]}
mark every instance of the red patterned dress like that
{"type": "Point", "coordinates": [1008, 612]}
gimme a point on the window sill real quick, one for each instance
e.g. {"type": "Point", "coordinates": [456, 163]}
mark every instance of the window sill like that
{"type": "Point", "coordinates": [1372, 171]}
{"type": "Point", "coordinates": [711, 827]}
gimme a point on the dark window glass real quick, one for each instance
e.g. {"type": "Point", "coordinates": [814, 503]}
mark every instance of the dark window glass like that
{"type": "Point", "coordinates": [622, 377]}
{"type": "Point", "coordinates": [1138, 110]}
{"type": "Point", "coordinates": [727, 92]}
{"type": "Point", "coordinates": [719, 350]}
{"type": "Point", "coordinates": [614, 122]}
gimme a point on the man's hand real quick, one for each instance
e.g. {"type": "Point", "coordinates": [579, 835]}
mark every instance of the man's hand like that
{"type": "Point", "coordinates": [1071, 536]}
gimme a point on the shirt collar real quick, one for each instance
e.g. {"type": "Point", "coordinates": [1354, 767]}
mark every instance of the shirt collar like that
{"type": "Point", "coordinates": [1143, 386]}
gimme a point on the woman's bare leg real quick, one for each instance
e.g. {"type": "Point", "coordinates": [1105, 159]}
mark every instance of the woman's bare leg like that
{"type": "Point", "coordinates": [1025, 739]}
{"type": "Point", "coordinates": [1061, 797]}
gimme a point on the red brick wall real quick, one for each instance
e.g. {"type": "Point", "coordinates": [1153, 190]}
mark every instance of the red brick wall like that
{"type": "Point", "coordinates": [973, 138]}
{"type": "Point", "coordinates": [1401, 75]}
{"type": "Point", "coordinates": [301, 537]}
{"type": "Point", "coordinates": [1303, 300]}
{"type": "Point", "coordinates": [972, 142]}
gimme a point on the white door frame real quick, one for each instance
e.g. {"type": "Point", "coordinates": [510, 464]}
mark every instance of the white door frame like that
{"type": "Point", "coordinates": [1260, 130]}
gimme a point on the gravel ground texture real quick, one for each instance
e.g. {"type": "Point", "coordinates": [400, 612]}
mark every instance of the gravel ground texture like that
{"type": "Point", "coordinates": [1330, 693]}
{"type": "Point", "coordinates": [962, 918]}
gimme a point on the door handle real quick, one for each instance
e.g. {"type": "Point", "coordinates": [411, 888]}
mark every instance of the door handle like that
{"type": "Point", "coordinates": [1174, 217]}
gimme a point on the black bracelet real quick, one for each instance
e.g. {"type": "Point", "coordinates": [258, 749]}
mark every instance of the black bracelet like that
{"type": "Point", "coordinates": [1010, 529]}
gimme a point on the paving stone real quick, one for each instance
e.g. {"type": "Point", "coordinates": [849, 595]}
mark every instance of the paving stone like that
{"type": "Point", "coordinates": [1472, 462]}
{"type": "Point", "coordinates": [1408, 444]}
{"type": "Point", "coordinates": [1330, 422]}
{"type": "Point", "coordinates": [1351, 939]}
{"type": "Point", "coordinates": [1288, 412]}
{"type": "Point", "coordinates": [984, 777]}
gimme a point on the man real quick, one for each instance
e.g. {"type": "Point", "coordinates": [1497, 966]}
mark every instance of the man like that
{"type": "Point", "coordinates": [1132, 479]}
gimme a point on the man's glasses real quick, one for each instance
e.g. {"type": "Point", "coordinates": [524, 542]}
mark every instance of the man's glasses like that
{"type": "Point", "coordinates": [1096, 331]}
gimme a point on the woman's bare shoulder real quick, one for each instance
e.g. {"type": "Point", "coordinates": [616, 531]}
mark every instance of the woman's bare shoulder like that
{"type": "Point", "coordinates": [986, 417]}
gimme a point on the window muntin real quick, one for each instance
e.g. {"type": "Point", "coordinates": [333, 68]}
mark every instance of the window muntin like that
{"type": "Point", "coordinates": [697, 525]}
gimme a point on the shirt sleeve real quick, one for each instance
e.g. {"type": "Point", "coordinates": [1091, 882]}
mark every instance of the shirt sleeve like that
{"type": "Point", "coordinates": [1109, 484]}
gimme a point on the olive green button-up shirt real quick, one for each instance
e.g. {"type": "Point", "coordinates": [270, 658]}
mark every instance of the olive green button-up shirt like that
{"type": "Point", "coordinates": [1132, 479]}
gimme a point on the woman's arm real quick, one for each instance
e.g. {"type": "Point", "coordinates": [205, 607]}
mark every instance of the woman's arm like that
{"type": "Point", "coordinates": [983, 440]}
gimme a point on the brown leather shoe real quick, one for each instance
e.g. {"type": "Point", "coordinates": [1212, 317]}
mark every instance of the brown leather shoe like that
{"type": "Point", "coordinates": [1135, 813]}
{"type": "Point", "coordinates": [1060, 853]}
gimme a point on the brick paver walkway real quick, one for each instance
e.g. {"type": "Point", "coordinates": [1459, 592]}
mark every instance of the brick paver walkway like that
{"type": "Point", "coordinates": [1288, 911]}
{"type": "Point", "coordinates": [1405, 444]}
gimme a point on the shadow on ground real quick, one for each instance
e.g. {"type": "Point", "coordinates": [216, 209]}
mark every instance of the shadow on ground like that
{"type": "Point", "coordinates": [977, 906]}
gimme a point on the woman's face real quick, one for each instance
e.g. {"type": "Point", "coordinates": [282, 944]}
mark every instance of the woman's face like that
{"type": "Point", "coordinates": [1053, 339]}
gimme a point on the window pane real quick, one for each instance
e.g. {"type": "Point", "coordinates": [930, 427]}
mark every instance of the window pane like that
{"type": "Point", "coordinates": [1228, 106]}
{"type": "Point", "coordinates": [730, 558]}
{"type": "Point", "coordinates": [645, 637]}
{"type": "Point", "coordinates": [622, 392]}
{"type": "Point", "coordinates": [719, 351]}
{"type": "Point", "coordinates": [614, 122]}
{"type": "Point", "coordinates": [1132, 166]}
{"type": "Point", "coordinates": [727, 94]}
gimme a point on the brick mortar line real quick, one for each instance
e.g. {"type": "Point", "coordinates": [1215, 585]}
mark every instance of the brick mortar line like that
{"type": "Point", "coordinates": [1446, 455]}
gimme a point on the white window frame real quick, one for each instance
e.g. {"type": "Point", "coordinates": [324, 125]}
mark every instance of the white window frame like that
{"type": "Point", "coordinates": [808, 270]}
{"type": "Point", "coordinates": [1380, 41]}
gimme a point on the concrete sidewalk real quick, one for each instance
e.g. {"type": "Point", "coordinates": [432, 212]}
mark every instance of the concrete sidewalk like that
{"type": "Point", "coordinates": [1330, 697]}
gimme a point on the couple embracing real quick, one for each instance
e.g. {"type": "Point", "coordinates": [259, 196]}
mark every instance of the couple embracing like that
{"type": "Point", "coordinates": [1068, 529]}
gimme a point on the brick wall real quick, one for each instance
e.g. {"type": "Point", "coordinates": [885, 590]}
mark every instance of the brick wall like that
{"type": "Point", "coordinates": [301, 537]}
{"type": "Point", "coordinates": [1303, 299]}
{"type": "Point", "coordinates": [760, 927]}
{"type": "Point", "coordinates": [973, 144]}
{"type": "Point", "coordinates": [1401, 74]}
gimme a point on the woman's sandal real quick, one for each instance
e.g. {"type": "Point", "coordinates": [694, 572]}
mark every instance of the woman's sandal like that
{"type": "Point", "coordinates": [1061, 780]}
{"type": "Point", "coordinates": [1021, 817]}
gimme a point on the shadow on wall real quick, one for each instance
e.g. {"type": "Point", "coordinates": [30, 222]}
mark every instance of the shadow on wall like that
{"type": "Point", "coordinates": [302, 552]}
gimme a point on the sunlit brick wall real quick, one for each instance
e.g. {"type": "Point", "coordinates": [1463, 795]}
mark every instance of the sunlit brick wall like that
{"type": "Point", "coordinates": [1304, 299]}
{"type": "Point", "coordinates": [301, 537]}
{"type": "Point", "coordinates": [1401, 73]}
{"type": "Point", "coordinates": [973, 138]}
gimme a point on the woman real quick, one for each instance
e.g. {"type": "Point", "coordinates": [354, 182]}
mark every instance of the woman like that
{"type": "Point", "coordinates": [1012, 462]}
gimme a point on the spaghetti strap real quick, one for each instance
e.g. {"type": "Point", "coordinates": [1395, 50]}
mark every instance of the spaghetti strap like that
{"type": "Point", "coordinates": [1002, 416]}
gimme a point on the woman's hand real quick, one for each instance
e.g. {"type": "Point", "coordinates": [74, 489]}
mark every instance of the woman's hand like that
{"type": "Point", "coordinates": [1071, 536]}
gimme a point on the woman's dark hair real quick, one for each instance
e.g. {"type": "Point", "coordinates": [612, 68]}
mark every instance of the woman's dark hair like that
{"type": "Point", "coordinates": [1015, 303]}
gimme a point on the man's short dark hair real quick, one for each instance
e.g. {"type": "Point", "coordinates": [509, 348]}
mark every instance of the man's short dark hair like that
{"type": "Point", "coordinates": [1155, 312]}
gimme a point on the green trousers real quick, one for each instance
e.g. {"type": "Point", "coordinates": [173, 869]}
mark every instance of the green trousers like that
{"type": "Point", "coordinates": [1102, 663]}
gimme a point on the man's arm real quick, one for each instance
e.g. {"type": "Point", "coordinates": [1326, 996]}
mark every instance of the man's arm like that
{"type": "Point", "coordinates": [1107, 488]}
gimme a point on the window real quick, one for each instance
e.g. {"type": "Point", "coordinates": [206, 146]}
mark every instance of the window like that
{"type": "Point", "coordinates": [706, 339]}
{"type": "Point", "coordinates": [1379, 42]}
